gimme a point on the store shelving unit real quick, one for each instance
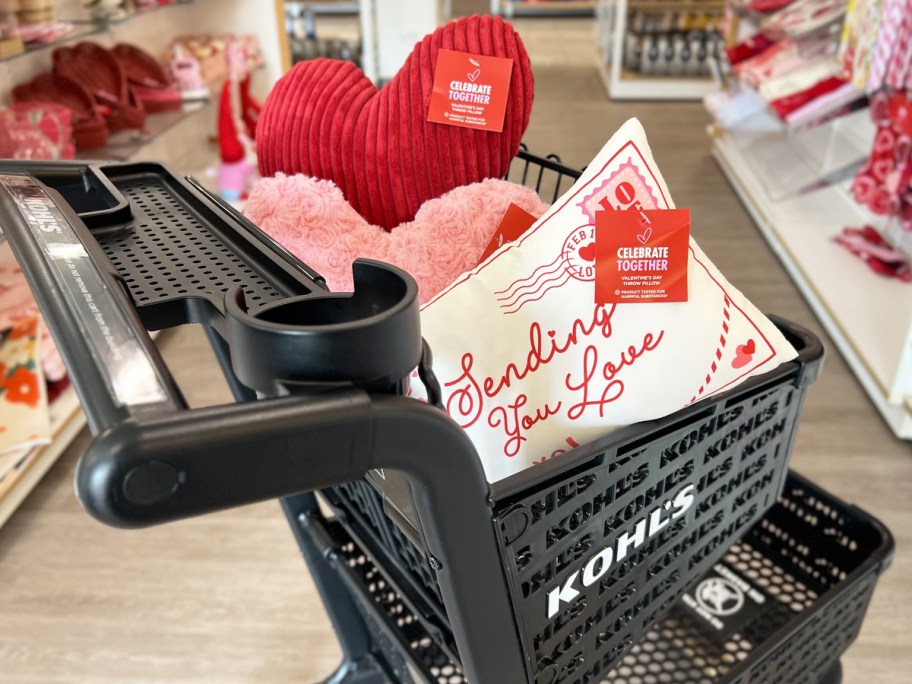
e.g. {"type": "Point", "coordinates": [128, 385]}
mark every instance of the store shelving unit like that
{"type": "Point", "coordinates": [78, 32]}
{"type": "Point", "coordinates": [328, 7]}
{"type": "Point", "coordinates": [543, 8]}
{"type": "Point", "coordinates": [67, 419]}
{"type": "Point", "coordinates": [623, 84]}
{"type": "Point", "coordinates": [869, 317]}
{"type": "Point", "coordinates": [127, 144]}
{"type": "Point", "coordinates": [322, 29]}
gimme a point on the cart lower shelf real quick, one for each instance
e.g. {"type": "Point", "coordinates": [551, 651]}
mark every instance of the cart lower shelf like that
{"type": "Point", "coordinates": [814, 602]}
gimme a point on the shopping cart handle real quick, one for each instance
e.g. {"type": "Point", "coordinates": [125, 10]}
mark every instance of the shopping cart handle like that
{"type": "Point", "coordinates": [142, 472]}
{"type": "Point", "coordinates": [114, 365]}
{"type": "Point", "coordinates": [153, 459]}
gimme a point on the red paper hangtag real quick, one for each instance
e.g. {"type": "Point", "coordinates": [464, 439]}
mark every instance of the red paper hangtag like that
{"type": "Point", "coordinates": [470, 90]}
{"type": "Point", "coordinates": [514, 223]}
{"type": "Point", "coordinates": [641, 256]}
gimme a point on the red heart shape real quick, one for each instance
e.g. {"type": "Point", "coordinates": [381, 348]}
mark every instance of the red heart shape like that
{"type": "Point", "coordinates": [645, 235]}
{"type": "Point", "coordinates": [326, 119]}
{"type": "Point", "coordinates": [882, 168]}
{"type": "Point", "coordinates": [744, 353]}
{"type": "Point", "coordinates": [587, 252]}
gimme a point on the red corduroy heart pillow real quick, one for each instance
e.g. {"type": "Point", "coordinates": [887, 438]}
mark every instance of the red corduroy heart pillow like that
{"type": "Point", "coordinates": [327, 120]}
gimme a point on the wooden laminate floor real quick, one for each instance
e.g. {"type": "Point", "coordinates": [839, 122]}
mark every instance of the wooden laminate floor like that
{"type": "Point", "coordinates": [226, 598]}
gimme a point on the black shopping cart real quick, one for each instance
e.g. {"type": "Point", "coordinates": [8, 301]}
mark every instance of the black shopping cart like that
{"type": "Point", "coordinates": [574, 571]}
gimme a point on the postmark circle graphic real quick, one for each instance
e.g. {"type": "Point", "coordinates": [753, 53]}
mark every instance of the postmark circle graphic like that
{"type": "Point", "coordinates": [578, 253]}
{"type": "Point", "coordinates": [719, 596]}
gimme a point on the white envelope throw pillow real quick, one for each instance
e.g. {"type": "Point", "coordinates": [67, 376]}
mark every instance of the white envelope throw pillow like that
{"type": "Point", "coordinates": [531, 366]}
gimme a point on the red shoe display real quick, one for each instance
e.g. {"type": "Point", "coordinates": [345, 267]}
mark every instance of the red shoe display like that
{"type": "Point", "coordinates": [147, 79]}
{"type": "Point", "coordinates": [89, 129]}
{"type": "Point", "coordinates": [99, 72]}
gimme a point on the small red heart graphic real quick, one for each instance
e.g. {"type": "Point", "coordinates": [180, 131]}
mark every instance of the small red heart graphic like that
{"type": "Point", "coordinates": [863, 188]}
{"type": "Point", "coordinates": [645, 235]}
{"type": "Point", "coordinates": [474, 75]}
{"type": "Point", "coordinates": [882, 168]}
{"type": "Point", "coordinates": [884, 141]}
{"type": "Point", "coordinates": [325, 119]}
{"type": "Point", "coordinates": [743, 354]}
{"type": "Point", "coordinates": [587, 252]}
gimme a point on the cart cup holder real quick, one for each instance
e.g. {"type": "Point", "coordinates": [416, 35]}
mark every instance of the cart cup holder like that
{"type": "Point", "coordinates": [369, 338]}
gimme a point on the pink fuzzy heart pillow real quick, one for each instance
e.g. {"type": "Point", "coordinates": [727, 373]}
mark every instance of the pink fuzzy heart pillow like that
{"type": "Point", "coordinates": [313, 221]}
{"type": "Point", "coordinates": [325, 119]}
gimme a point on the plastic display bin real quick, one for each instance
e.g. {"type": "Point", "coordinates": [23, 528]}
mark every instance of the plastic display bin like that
{"type": "Point", "coordinates": [548, 576]}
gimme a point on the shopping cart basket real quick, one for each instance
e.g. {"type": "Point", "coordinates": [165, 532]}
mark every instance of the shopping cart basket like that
{"type": "Point", "coordinates": [548, 576]}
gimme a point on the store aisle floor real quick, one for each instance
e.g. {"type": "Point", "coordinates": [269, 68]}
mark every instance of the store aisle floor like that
{"type": "Point", "coordinates": [226, 598]}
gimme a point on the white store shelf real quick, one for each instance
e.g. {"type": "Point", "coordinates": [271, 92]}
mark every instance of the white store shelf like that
{"type": "Point", "coordinates": [543, 8]}
{"type": "Point", "coordinates": [868, 316]}
{"type": "Point", "coordinates": [623, 85]}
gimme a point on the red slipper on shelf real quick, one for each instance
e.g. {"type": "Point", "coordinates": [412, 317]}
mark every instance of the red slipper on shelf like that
{"type": "Point", "coordinates": [867, 244]}
{"type": "Point", "coordinates": [98, 71]}
{"type": "Point", "coordinates": [89, 129]}
{"type": "Point", "coordinates": [155, 100]}
{"type": "Point", "coordinates": [147, 78]}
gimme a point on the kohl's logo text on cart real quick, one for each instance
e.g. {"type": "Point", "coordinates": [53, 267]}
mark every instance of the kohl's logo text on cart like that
{"type": "Point", "coordinates": [41, 216]}
{"type": "Point", "coordinates": [598, 566]}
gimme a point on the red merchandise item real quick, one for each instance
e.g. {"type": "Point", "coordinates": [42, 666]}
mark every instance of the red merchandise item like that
{"type": "Point", "coordinates": [514, 223]}
{"type": "Point", "coordinates": [326, 119]}
{"type": "Point", "coordinates": [230, 148]}
{"type": "Point", "coordinates": [250, 108]}
{"type": "Point", "coordinates": [767, 6]}
{"type": "Point", "coordinates": [786, 105]}
{"type": "Point", "coordinates": [147, 79]}
{"type": "Point", "coordinates": [882, 183]}
{"type": "Point", "coordinates": [55, 389]}
{"type": "Point", "coordinates": [89, 129]}
{"type": "Point", "coordinates": [99, 72]}
{"type": "Point", "coordinates": [140, 68]}
{"type": "Point", "coordinates": [750, 47]}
